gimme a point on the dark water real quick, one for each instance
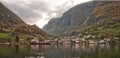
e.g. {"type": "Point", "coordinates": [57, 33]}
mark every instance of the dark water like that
{"type": "Point", "coordinates": [60, 51]}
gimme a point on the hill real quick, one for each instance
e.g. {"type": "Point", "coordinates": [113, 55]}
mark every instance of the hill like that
{"type": "Point", "coordinates": [106, 19]}
{"type": "Point", "coordinates": [11, 26]}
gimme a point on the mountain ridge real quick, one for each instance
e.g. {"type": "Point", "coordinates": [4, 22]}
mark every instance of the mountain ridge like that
{"type": "Point", "coordinates": [101, 14]}
{"type": "Point", "coordinates": [68, 21]}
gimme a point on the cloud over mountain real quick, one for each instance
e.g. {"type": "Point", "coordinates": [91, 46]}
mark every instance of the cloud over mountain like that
{"type": "Point", "coordinates": [32, 11]}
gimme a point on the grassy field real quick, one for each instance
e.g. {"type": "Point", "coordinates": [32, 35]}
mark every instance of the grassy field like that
{"type": "Point", "coordinates": [25, 36]}
{"type": "Point", "coordinates": [111, 31]}
{"type": "Point", "coordinates": [2, 35]}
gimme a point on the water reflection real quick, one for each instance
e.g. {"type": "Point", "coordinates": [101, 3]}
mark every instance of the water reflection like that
{"type": "Point", "coordinates": [60, 51]}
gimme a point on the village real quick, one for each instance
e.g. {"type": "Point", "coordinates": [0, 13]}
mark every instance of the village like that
{"type": "Point", "coordinates": [86, 38]}
{"type": "Point", "coordinates": [74, 39]}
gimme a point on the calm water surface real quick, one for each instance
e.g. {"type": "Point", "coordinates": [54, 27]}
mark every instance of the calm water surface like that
{"type": "Point", "coordinates": [60, 51]}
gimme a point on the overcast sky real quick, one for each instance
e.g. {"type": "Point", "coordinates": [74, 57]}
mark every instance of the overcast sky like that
{"type": "Point", "coordinates": [39, 12]}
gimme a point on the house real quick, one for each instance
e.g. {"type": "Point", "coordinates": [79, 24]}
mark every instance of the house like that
{"type": "Point", "coordinates": [101, 42]}
{"type": "Point", "coordinates": [116, 40]}
{"type": "Point", "coordinates": [34, 41]}
{"type": "Point", "coordinates": [92, 42]}
{"type": "Point", "coordinates": [107, 40]}
{"type": "Point", "coordinates": [93, 36]}
{"type": "Point", "coordinates": [22, 41]}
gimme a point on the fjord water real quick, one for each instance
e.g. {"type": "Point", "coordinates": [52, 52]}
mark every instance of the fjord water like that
{"type": "Point", "coordinates": [60, 51]}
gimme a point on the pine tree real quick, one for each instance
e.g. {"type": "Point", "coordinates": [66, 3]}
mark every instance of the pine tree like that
{"type": "Point", "coordinates": [17, 39]}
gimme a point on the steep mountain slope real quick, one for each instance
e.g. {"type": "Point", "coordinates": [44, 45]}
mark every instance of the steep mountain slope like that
{"type": "Point", "coordinates": [11, 26]}
{"type": "Point", "coordinates": [105, 11]}
{"type": "Point", "coordinates": [8, 17]}
{"type": "Point", "coordinates": [105, 18]}
{"type": "Point", "coordinates": [88, 16]}
{"type": "Point", "coordinates": [71, 20]}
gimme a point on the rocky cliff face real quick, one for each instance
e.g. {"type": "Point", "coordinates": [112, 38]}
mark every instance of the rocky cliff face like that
{"type": "Point", "coordinates": [71, 20]}
{"type": "Point", "coordinates": [84, 17]}
{"type": "Point", "coordinates": [11, 25]}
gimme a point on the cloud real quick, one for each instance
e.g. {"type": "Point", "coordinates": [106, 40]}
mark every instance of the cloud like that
{"type": "Point", "coordinates": [32, 11]}
{"type": "Point", "coordinates": [29, 12]}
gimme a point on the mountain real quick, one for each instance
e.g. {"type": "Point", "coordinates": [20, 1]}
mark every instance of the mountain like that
{"type": "Point", "coordinates": [8, 17]}
{"type": "Point", "coordinates": [71, 19]}
{"type": "Point", "coordinates": [99, 16]}
{"type": "Point", "coordinates": [105, 19]}
{"type": "Point", "coordinates": [11, 26]}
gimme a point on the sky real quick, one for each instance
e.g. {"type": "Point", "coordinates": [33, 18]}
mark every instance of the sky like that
{"type": "Point", "coordinates": [39, 12]}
